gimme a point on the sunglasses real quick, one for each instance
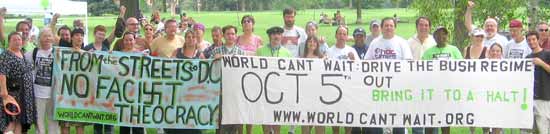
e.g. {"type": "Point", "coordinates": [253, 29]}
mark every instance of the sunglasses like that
{"type": "Point", "coordinates": [247, 21]}
{"type": "Point", "coordinates": [543, 30]}
{"type": "Point", "coordinates": [149, 29]}
{"type": "Point", "coordinates": [479, 36]}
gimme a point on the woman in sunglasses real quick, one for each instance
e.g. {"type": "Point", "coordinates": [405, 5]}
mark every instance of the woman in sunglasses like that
{"type": "Point", "coordinates": [248, 41]}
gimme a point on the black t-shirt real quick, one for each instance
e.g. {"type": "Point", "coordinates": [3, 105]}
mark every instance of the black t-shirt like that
{"type": "Point", "coordinates": [542, 78]}
{"type": "Point", "coordinates": [104, 46]}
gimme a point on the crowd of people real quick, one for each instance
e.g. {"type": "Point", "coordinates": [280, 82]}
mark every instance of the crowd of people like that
{"type": "Point", "coordinates": [26, 63]}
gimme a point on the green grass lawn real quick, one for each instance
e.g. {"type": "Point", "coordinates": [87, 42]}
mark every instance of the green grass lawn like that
{"type": "Point", "coordinates": [264, 20]}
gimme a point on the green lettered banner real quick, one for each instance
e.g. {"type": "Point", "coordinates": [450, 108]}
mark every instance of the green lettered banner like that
{"type": "Point", "coordinates": [127, 89]}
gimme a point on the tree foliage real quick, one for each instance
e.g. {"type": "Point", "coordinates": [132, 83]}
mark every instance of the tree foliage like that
{"type": "Point", "coordinates": [100, 7]}
{"type": "Point", "coordinates": [451, 14]}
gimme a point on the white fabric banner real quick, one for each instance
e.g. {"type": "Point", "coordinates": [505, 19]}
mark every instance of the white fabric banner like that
{"type": "Point", "coordinates": [482, 93]}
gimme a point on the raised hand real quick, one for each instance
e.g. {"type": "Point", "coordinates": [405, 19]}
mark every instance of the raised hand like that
{"type": "Point", "coordinates": [471, 4]}
{"type": "Point", "coordinates": [56, 16]}
{"type": "Point", "coordinates": [122, 11]}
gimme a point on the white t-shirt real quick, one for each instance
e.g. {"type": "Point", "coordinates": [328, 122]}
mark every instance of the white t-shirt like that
{"type": "Point", "coordinates": [34, 32]}
{"type": "Point", "coordinates": [497, 38]}
{"type": "Point", "coordinates": [418, 48]}
{"type": "Point", "coordinates": [341, 53]}
{"type": "Point", "coordinates": [42, 72]}
{"type": "Point", "coordinates": [292, 38]}
{"type": "Point", "coordinates": [514, 50]}
{"type": "Point", "coordinates": [394, 48]}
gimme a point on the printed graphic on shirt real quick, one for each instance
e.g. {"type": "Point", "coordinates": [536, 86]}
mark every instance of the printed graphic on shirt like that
{"type": "Point", "coordinates": [441, 56]}
{"type": "Point", "coordinates": [385, 54]}
{"type": "Point", "coordinates": [43, 71]}
{"type": "Point", "coordinates": [290, 40]}
{"type": "Point", "coordinates": [515, 53]}
{"type": "Point", "coordinates": [342, 57]}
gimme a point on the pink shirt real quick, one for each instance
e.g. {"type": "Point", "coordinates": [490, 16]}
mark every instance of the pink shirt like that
{"type": "Point", "coordinates": [250, 48]}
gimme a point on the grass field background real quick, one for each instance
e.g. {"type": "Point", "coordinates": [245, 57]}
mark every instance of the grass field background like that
{"type": "Point", "coordinates": [264, 20]}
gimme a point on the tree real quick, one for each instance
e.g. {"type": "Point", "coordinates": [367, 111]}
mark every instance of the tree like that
{"type": "Point", "coordinates": [396, 3]}
{"type": "Point", "coordinates": [97, 8]}
{"type": "Point", "coordinates": [451, 14]}
{"type": "Point", "coordinates": [533, 13]}
{"type": "Point", "coordinates": [358, 5]}
{"type": "Point", "coordinates": [132, 7]}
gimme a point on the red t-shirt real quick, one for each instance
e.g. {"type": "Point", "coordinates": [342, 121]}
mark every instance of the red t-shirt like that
{"type": "Point", "coordinates": [545, 44]}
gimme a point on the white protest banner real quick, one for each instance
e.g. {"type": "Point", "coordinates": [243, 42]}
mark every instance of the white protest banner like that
{"type": "Point", "coordinates": [482, 93]}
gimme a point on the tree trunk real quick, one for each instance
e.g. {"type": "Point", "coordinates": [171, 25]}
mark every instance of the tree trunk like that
{"type": "Point", "coordinates": [350, 4]}
{"type": "Point", "coordinates": [532, 16]}
{"type": "Point", "coordinates": [359, 4]}
{"type": "Point", "coordinates": [199, 4]}
{"type": "Point", "coordinates": [163, 6]}
{"type": "Point", "coordinates": [460, 32]}
{"type": "Point", "coordinates": [132, 7]}
{"type": "Point", "coordinates": [242, 5]}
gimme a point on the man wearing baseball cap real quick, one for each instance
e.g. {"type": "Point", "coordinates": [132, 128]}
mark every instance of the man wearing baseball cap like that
{"type": "Point", "coordinates": [374, 31]}
{"type": "Point", "coordinates": [274, 49]}
{"type": "Point", "coordinates": [360, 45]}
{"type": "Point", "coordinates": [517, 47]}
{"type": "Point", "coordinates": [442, 51]}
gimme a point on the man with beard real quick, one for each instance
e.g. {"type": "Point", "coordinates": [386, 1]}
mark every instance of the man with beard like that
{"type": "Point", "coordinates": [292, 35]}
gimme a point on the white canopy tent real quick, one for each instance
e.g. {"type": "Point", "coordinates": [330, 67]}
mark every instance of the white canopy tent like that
{"type": "Point", "coordinates": [26, 7]}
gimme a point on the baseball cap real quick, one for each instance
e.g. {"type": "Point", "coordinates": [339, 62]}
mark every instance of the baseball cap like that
{"type": "Point", "coordinates": [477, 32]}
{"type": "Point", "coordinates": [374, 22]}
{"type": "Point", "coordinates": [515, 24]}
{"type": "Point", "coordinates": [275, 30]}
{"type": "Point", "coordinates": [441, 28]}
{"type": "Point", "coordinates": [359, 31]}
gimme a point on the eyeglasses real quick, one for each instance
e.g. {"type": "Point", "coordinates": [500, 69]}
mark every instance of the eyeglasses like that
{"type": "Point", "coordinates": [479, 36]}
{"type": "Point", "coordinates": [134, 24]}
{"type": "Point", "coordinates": [543, 30]}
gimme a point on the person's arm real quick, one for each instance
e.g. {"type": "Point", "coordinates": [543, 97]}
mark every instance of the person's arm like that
{"type": "Point", "coordinates": [3, 86]}
{"type": "Point", "coordinates": [173, 55]}
{"type": "Point", "coordinates": [465, 51]}
{"type": "Point", "coordinates": [52, 27]}
{"type": "Point", "coordinates": [4, 91]}
{"type": "Point", "coordinates": [468, 20]}
{"type": "Point", "coordinates": [111, 36]}
{"type": "Point", "coordinates": [542, 64]}
{"type": "Point", "coordinates": [120, 24]}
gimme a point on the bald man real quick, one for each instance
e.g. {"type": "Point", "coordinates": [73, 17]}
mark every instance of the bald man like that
{"type": "Point", "coordinates": [129, 25]}
{"type": "Point", "coordinates": [490, 27]}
